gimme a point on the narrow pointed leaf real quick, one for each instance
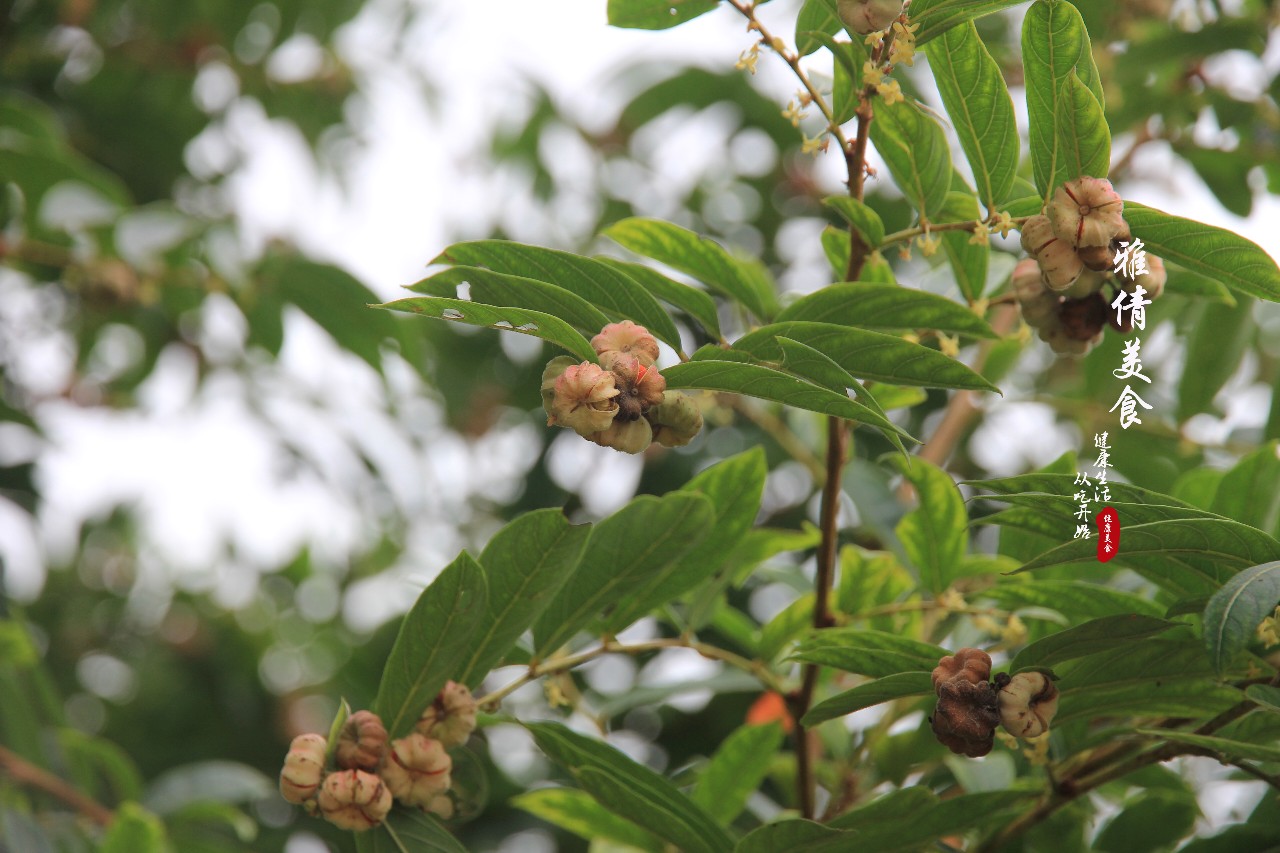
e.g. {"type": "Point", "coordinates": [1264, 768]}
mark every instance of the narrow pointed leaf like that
{"type": "Point", "coordinates": [1054, 43]}
{"type": "Point", "coordinates": [433, 643]}
{"type": "Point", "coordinates": [1092, 637]}
{"type": "Point", "coordinates": [626, 549]}
{"type": "Point", "coordinates": [656, 14]}
{"type": "Point", "coordinates": [1238, 263]}
{"type": "Point", "coordinates": [1230, 749]}
{"type": "Point", "coordinates": [969, 260]}
{"type": "Point", "coordinates": [1084, 139]}
{"type": "Point", "coordinates": [816, 17]}
{"type": "Point", "coordinates": [860, 217]}
{"type": "Point", "coordinates": [410, 829]}
{"type": "Point", "coordinates": [873, 653]}
{"type": "Point", "coordinates": [520, 320]}
{"type": "Point", "coordinates": [755, 380]}
{"type": "Point", "coordinates": [734, 487]}
{"type": "Point", "coordinates": [796, 834]}
{"type": "Point", "coordinates": [978, 102]}
{"type": "Point", "coordinates": [914, 146]}
{"type": "Point", "coordinates": [612, 291]}
{"type": "Point", "coordinates": [897, 686]}
{"type": "Point", "coordinates": [936, 17]}
{"type": "Point", "coordinates": [694, 302]}
{"type": "Point", "coordinates": [886, 307]}
{"type": "Point", "coordinates": [577, 812]}
{"type": "Point", "coordinates": [934, 534]}
{"type": "Point", "coordinates": [1234, 612]}
{"type": "Point", "coordinates": [631, 790]}
{"type": "Point", "coordinates": [740, 279]}
{"type": "Point", "coordinates": [512, 291]}
{"type": "Point", "coordinates": [736, 769]}
{"type": "Point", "coordinates": [867, 355]}
{"type": "Point", "coordinates": [526, 563]}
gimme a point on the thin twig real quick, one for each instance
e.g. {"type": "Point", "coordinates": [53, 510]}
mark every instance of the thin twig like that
{"type": "Point", "coordinates": [26, 773]}
{"type": "Point", "coordinates": [778, 430]}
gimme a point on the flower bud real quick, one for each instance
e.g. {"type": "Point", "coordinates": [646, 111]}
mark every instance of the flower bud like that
{"type": "Point", "coordinates": [353, 799]}
{"type": "Point", "coordinates": [361, 743]}
{"type": "Point", "coordinates": [451, 718]}
{"type": "Point", "coordinates": [628, 338]}
{"type": "Point", "coordinates": [303, 768]}
{"type": "Point", "coordinates": [584, 399]}
{"type": "Point", "coordinates": [639, 387]}
{"type": "Point", "coordinates": [550, 374]}
{"type": "Point", "coordinates": [1027, 704]}
{"type": "Point", "coordinates": [869, 16]}
{"type": "Point", "coordinates": [417, 769]}
{"type": "Point", "coordinates": [676, 420]}
{"type": "Point", "coordinates": [1087, 212]}
{"type": "Point", "coordinates": [1038, 303]}
{"type": "Point", "coordinates": [627, 436]}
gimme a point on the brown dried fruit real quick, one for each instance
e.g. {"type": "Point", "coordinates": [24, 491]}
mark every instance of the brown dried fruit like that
{"type": "Point", "coordinates": [1028, 703]}
{"type": "Point", "coordinates": [971, 665]}
{"type": "Point", "coordinates": [968, 711]}
{"type": "Point", "coordinates": [1083, 319]}
{"type": "Point", "coordinates": [353, 799]}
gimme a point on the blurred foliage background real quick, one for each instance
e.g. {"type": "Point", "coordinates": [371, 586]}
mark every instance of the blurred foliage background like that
{"type": "Point", "coordinates": [164, 649]}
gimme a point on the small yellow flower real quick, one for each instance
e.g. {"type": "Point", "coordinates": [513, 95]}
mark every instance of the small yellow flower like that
{"type": "Point", "coordinates": [1038, 754]}
{"type": "Point", "coordinates": [891, 92]}
{"type": "Point", "coordinates": [1014, 632]}
{"type": "Point", "coordinates": [986, 625]}
{"type": "Point", "coordinates": [980, 306]}
{"type": "Point", "coordinates": [949, 345]}
{"type": "Point", "coordinates": [875, 39]}
{"type": "Point", "coordinates": [902, 52]}
{"type": "Point", "coordinates": [981, 234]}
{"type": "Point", "coordinates": [951, 600]}
{"type": "Point", "coordinates": [1009, 741]}
{"type": "Point", "coordinates": [1269, 630]}
{"type": "Point", "coordinates": [748, 58]}
{"type": "Point", "coordinates": [1004, 223]}
{"type": "Point", "coordinates": [871, 75]}
{"type": "Point", "coordinates": [804, 97]}
{"type": "Point", "coordinates": [904, 252]}
{"type": "Point", "coordinates": [929, 245]}
{"type": "Point", "coordinates": [793, 113]}
{"type": "Point", "coordinates": [813, 146]}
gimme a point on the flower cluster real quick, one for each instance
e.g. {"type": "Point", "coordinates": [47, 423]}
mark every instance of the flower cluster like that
{"type": "Point", "coordinates": [370, 773]}
{"type": "Point", "coordinates": [1074, 246]}
{"type": "Point", "coordinates": [971, 706]}
{"type": "Point", "coordinates": [623, 401]}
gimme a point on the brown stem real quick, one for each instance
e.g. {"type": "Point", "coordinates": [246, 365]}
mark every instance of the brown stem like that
{"type": "Point", "coordinates": [25, 773]}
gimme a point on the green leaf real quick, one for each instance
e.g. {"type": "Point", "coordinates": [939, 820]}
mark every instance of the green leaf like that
{"type": "Point", "coordinates": [867, 355]}
{"type": "Point", "coordinates": [846, 87]}
{"type": "Point", "coordinates": [816, 17]}
{"type": "Point", "coordinates": [896, 686]}
{"type": "Point", "coordinates": [1267, 697]}
{"type": "Point", "coordinates": [796, 834]}
{"type": "Point", "coordinates": [1078, 601]}
{"type": "Point", "coordinates": [525, 563]}
{"type": "Point", "coordinates": [409, 829]}
{"type": "Point", "coordinates": [742, 280]}
{"type": "Point", "coordinates": [1216, 343]}
{"type": "Point", "coordinates": [1054, 43]}
{"type": "Point", "coordinates": [873, 653]}
{"type": "Point", "coordinates": [613, 291]}
{"type": "Point", "coordinates": [886, 307]}
{"type": "Point", "coordinates": [520, 320]}
{"type": "Point", "coordinates": [627, 549]}
{"type": "Point", "coordinates": [1084, 139]}
{"type": "Point", "coordinates": [1234, 612]}
{"type": "Point", "coordinates": [936, 17]}
{"type": "Point", "coordinates": [134, 830]}
{"type": "Point", "coordinates": [690, 300]}
{"type": "Point", "coordinates": [1155, 821]}
{"type": "Point", "coordinates": [934, 535]}
{"type": "Point", "coordinates": [734, 487]}
{"type": "Point", "coordinates": [915, 148]}
{"type": "Point", "coordinates": [656, 14]}
{"type": "Point", "coordinates": [978, 102]}
{"type": "Point", "coordinates": [968, 260]}
{"type": "Point", "coordinates": [755, 380]}
{"type": "Point", "coordinates": [631, 790]}
{"type": "Point", "coordinates": [1214, 252]}
{"type": "Point", "coordinates": [1210, 547]}
{"type": "Point", "coordinates": [1230, 749]}
{"type": "Point", "coordinates": [432, 645]}
{"type": "Point", "coordinates": [575, 811]}
{"type": "Point", "coordinates": [1092, 637]}
{"type": "Point", "coordinates": [101, 764]}
{"type": "Point", "coordinates": [946, 817]}
{"type": "Point", "coordinates": [860, 217]}
{"type": "Point", "coordinates": [1248, 492]}
{"type": "Point", "coordinates": [513, 291]}
{"type": "Point", "coordinates": [737, 768]}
